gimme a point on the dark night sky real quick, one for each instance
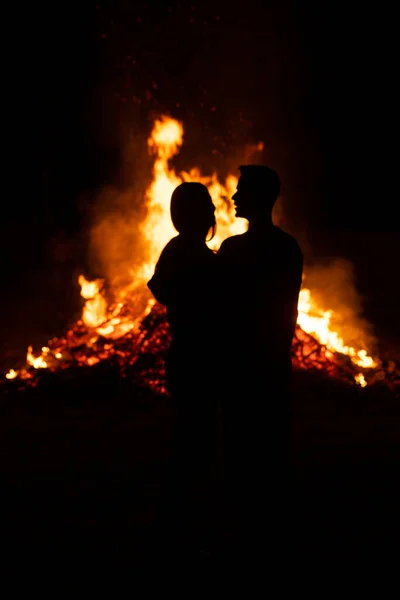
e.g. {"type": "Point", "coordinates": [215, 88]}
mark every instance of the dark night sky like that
{"type": "Point", "coordinates": [314, 80]}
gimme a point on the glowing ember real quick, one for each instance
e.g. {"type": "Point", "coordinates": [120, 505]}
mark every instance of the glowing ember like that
{"type": "Point", "coordinates": [360, 379]}
{"type": "Point", "coordinates": [39, 362]}
{"type": "Point", "coordinates": [93, 360]}
{"type": "Point", "coordinates": [96, 336]}
{"type": "Point", "coordinates": [11, 374]}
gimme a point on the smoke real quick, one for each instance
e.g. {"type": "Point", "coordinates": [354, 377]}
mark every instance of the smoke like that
{"type": "Point", "coordinates": [116, 248]}
{"type": "Point", "coordinates": [332, 286]}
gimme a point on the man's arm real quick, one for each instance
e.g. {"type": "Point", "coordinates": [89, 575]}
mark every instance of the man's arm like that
{"type": "Point", "coordinates": [295, 286]}
{"type": "Point", "coordinates": [287, 287]}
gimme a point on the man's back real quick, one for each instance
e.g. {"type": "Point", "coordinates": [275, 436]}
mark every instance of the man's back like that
{"type": "Point", "coordinates": [262, 273]}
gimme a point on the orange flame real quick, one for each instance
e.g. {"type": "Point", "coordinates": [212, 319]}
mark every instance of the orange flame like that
{"type": "Point", "coordinates": [38, 362]}
{"type": "Point", "coordinates": [360, 379]}
{"type": "Point", "coordinates": [165, 141]}
{"type": "Point", "coordinates": [95, 309]}
{"type": "Point", "coordinates": [12, 374]}
{"type": "Point", "coordinates": [316, 322]}
{"type": "Point", "coordinates": [118, 319]}
{"type": "Point", "coordinates": [90, 289]}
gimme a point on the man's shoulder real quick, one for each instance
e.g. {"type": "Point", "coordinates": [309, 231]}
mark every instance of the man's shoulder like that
{"type": "Point", "coordinates": [232, 247]}
{"type": "Point", "coordinates": [233, 241]}
{"type": "Point", "coordinates": [287, 240]}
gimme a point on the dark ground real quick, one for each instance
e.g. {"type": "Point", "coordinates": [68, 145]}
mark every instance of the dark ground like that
{"type": "Point", "coordinates": [83, 467]}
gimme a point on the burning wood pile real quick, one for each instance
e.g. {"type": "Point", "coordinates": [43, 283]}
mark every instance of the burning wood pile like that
{"type": "Point", "coordinates": [130, 332]}
{"type": "Point", "coordinates": [139, 354]}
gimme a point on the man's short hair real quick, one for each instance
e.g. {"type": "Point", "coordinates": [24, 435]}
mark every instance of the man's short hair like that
{"type": "Point", "coordinates": [261, 178]}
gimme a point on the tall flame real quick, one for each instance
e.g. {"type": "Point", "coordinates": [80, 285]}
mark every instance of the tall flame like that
{"type": "Point", "coordinates": [165, 141]}
{"type": "Point", "coordinates": [116, 320]}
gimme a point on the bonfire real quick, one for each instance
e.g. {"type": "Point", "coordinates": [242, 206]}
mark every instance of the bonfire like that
{"type": "Point", "coordinates": [126, 324]}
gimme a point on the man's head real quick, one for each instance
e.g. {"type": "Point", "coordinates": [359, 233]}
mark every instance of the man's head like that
{"type": "Point", "coordinates": [257, 191]}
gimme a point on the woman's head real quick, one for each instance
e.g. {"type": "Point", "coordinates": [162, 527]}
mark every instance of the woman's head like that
{"type": "Point", "coordinates": [192, 210]}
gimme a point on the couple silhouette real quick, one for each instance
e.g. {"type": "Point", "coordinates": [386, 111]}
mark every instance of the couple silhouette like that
{"type": "Point", "coordinates": [232, 315]}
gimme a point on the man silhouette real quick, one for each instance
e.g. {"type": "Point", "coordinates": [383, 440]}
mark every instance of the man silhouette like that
{"type": "Point", "coordinates": [261, 275]}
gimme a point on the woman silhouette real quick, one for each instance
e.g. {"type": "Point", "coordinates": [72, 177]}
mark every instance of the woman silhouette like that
{"type": "Point", "coordinates": [184, 281]}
